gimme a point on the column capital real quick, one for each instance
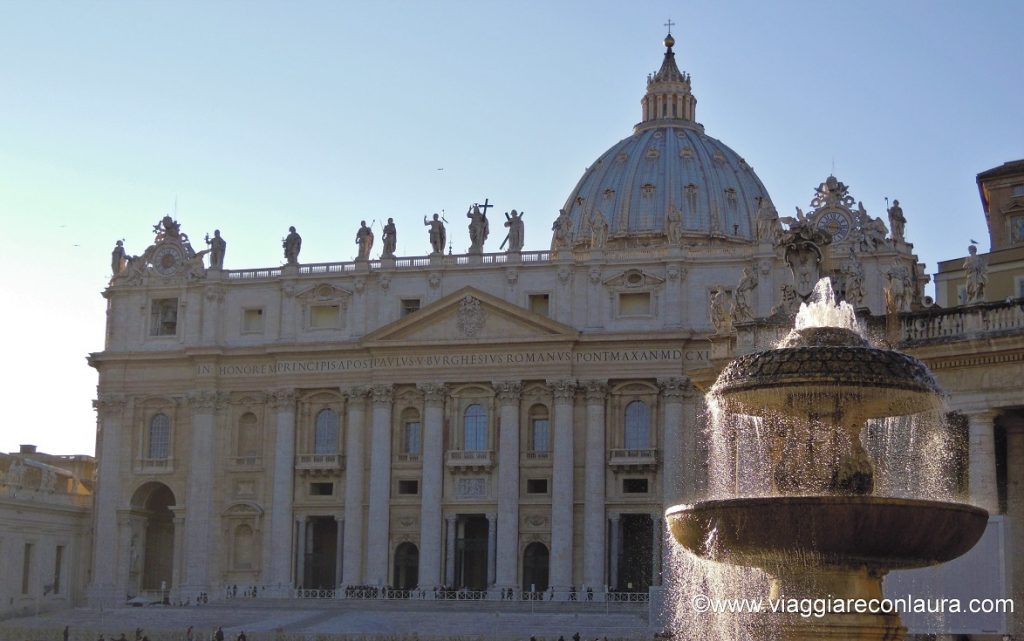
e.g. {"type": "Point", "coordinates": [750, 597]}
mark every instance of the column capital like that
{"type": "Point", "coordinates": [614, 516]}
{"type": "Point", "coordinates": [433, 393]}
{"type": "Point", "coordinates": [450, 518]}
{"type": "Point", "coordinates": [109, 405]}
{"type": "Point", "coordinates": [563, 389]}
{"type": "Point", "coordinates": [381, 394]}
{"type": "Point", "coordinates": [205, 399]}
{"type": "Point", "coordinates": [676, 387]}
{"type": "Point", "coordinates": [509, 392]}
{"type": "Point", "coordinates": [356, 393]}
{"type": "Point", "coordinates": [280, 399]}
{"type": "Point", "coordinates": [596, 390]}
{"type": "Point", "coordinates": [339, 518]}
{"type": "Point", "coordinates": [491, 516]}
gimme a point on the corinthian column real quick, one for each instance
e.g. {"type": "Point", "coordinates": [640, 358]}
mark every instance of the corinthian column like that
{"type": "Point", "coordinates": [508, 484]}
{"type": "Point", "coordinates": [564, 392]}
{"type": "Point", "coordinates": [278, 553]}
{"type": "Point", "coordinates": [673, 391]}
{"type": "Point", "coordinates": [593, 489]}
{"type": "Point", "coordinates": [110, 414]}
{"type": "Point", "coordinates": [431, 482]}
{"type": "Point", "coordinates": [199, 504]}
{"type": "Point", "coordinates": [353, 561]}
{"type": "Point", "coordinates": [380, 487]}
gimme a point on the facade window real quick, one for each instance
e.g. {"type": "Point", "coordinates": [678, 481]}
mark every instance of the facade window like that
{"type": "Point", "coordinates": [409, 487]}
{"type": "Point", "coordinates": [539, 304]}
{"type": "Point", "coordinates": [164, 317]}
{"type": "Point", "coordinates": [540, 429]}
{"type": "Point", "coordinates": [252, 321]}
{"type": "Point", "coordinates": [474, 428]}
{"type": "Point", "coordinates": [159, 437]}
{"type": "Point", "coordinates": [321, 489]}
{"type": "Point", "coordinates": [638, 424]}
{"type": "Point", "coordinates": [635, 304]}
{"type": "Point", "coordinates": [248, 436]}
{"type": "Point", "coordinates": [1018, 191]}
{"type": "Point", "coordinates": [411, 437]}
{"type": "Point", "coordinates": [324, 316]}
{"type": "Point", "coordinates": [325, 436]}
{"type": "Point", "coordinates": [536, 486]}
{"type": "Point", "coordinates": [634, 486]}
{"type": "Point", "coordinates": [410, 305]}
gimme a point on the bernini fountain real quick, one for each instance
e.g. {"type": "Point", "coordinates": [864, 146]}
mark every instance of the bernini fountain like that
{"type": "Point", "coordinates": [828, 458]}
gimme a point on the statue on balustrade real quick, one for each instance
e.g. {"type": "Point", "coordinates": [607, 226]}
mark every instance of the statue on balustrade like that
{"type": "Point", "coordinates": [438, 235]}
{"type": "Point", "coordinates": [977, 276]}
{"type": "Point", "coordinates": [217, 248]}
{"type": "Point", "coordinates": [292, 245]}
{"type": "Point", "coordinates": [390, 239]}
{"type": "Point", "coordinates": [364, 238]}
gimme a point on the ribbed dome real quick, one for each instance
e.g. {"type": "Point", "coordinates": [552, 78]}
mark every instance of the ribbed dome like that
{"type": "Point", "coordinates": [668, 165]}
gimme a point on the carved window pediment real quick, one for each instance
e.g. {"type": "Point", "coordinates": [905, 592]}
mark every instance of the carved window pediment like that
{"type": "Point", "coordinates": [324, 293]}
{"type": "Point", "coordinates": [634, 279]}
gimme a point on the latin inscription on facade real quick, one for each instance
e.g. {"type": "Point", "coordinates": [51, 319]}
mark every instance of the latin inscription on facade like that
{"type": "Point", "coordinates": [485, 359]}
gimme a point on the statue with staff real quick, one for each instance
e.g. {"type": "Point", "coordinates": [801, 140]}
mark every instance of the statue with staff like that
{"type": "Point", "coordinates": [438, 236]}
{"type": "Point", "coordinates": [514, 239]}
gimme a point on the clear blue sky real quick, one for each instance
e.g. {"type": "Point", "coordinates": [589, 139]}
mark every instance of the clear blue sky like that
{"type": "Point", "coordinates": [259, 115]}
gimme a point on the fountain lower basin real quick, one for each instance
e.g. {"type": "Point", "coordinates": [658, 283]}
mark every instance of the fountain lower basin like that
{"type": "Point", "coordinates": [842, 531]}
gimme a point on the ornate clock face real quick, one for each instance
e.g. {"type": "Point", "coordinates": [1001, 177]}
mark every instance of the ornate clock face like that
{"type": "Point", "coordinates": [836, 224]}
{"type": "Point", "coordinates": [166, 259]}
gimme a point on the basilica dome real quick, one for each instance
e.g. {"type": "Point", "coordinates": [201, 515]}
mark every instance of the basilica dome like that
{"type": "Point", "coordinates": [667, 183]}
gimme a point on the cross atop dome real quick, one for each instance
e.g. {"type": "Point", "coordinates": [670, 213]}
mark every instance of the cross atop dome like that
{"type": "Point", "coordinates": [668, 94]}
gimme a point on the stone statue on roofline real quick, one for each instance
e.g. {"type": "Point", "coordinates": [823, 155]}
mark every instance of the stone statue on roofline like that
{"type": "Point", "coordinates": [218, 246]}
{"type": "Point", "coordinates": [514, 222]}
{"type": "Point", "coordinates": [438, 235]}
{"type": "Point", "coordinates": [118, 258]}
{"type": "Point", "coordinates": [390, 239]}
{"type": "Point", "coordinates": [292, 245]}
{"type": "Point", "coordinates": [364, 239]}
{"type": "Point", "coordinates": [479, 229]}
{"type": "Point", "coordinates": [976, 272]}
{"type": "Point", "coordinates": [897, 222]}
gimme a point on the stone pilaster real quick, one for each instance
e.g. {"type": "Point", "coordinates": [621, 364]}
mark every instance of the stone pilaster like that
{"type": "Point", "coordinates": [178, 552]}
{"type": "Point", "coordinates": [431, 484]}
{"type": "Point", "coordinates": [492, 546]}
{"type": "Point", "coordinates": [982, 469]}
{"type": "Point", "coordinates": [199, 503]}
{"type": "Point", "coordinates": [657, 541]}
{"type": "Point", "coordinates": [278, 554]}
{"type": "Point", "coordinates": [594, 550]}
{"type": "Point", "coordinates": [339, 556]}
{"type": "Point", "coordinates": [110, 421]}
{"type": "Point", "coordinates": [354, 462]}
{"type": "Point", "coordinates": [300, 552]}
{"type": "Point", "coordinates": [613, 551]}
{"type": "Point", "coordinates": [450, 523]}
{"type": "Point", "coordinates": [380, 487]}
{"type": "Point", "coordinates": [509, 393]}
{"type": "Point", "coordinates": [564, 392]}
{"type": "Point", "coordinates": [673, 391]}
{"type": "Point", "coordinates": [1013, 423]}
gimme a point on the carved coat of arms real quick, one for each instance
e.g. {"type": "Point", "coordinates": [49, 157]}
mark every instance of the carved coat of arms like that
{"type": "Point", "coordinates": [470, 317]}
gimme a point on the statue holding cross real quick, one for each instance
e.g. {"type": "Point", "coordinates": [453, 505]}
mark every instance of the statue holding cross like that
{"type": "Point", "coordinates": [479, 228]}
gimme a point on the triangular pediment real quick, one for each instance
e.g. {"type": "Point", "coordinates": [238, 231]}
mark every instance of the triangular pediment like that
{"type": "Point", "coordinates": [470, 315]}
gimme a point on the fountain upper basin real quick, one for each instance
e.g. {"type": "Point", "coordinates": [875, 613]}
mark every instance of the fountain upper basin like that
{"type": "Point", "coordinates": [824, 370]}
{"type": "Point", "coordinates": [847, 531]}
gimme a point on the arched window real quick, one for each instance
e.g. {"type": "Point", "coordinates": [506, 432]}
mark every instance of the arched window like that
{"type": "Point", "coordinates": [244, 547]}
{"type": "Point", "coordinates": [407, 563]}
{"type": "Point", "coordinates": [638, 426]}
{"type": "Point", "coordinates": [536, 560]}
{"type": "Point", "coordinates": [325, 437]}
{"type": "Point", "coordinates": [248, 436]}
{"type": "Point", "coordinates": [411, 432]}
{"type": "Point", "coordinates": [540, 429]}
{"type": "Point", "coordinates": [474, 426]}
{"type": "Point", "coordinates": [159, 437]}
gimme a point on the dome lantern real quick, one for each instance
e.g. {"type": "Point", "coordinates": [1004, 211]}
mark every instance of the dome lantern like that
{"type": "Point", "coordinates": [668, 94]}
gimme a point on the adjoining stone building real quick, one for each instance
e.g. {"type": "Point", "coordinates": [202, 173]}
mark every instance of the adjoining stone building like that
{"type": "Point", "coordinates": [486, 421]}
{"type": "Point", "coordinates": [45, 524]}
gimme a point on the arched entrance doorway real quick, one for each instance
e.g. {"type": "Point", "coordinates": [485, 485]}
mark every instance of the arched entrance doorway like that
{"type": "Point", "coordinates": [407, 566]}
{"type": "Point", "coordinates": [536, 559]}
{"type": "Point", "coordinates": [151, 545]}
